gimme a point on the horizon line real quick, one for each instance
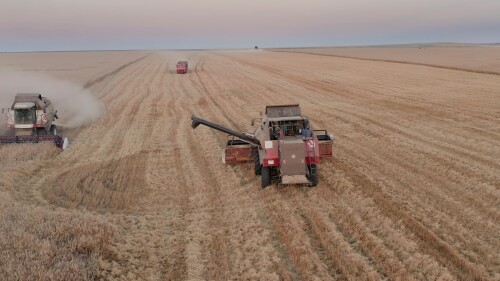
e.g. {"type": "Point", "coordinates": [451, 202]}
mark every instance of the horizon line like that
{"type": "Point", "coordinates": [252, 48]}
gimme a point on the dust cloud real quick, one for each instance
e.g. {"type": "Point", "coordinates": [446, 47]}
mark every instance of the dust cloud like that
{"type": "Point", "coordinates": [75, 105]}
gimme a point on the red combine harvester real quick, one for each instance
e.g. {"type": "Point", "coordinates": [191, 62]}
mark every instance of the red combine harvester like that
{"type": "Point", "coordinates": [283, 147]}
{"type": "Point", "coordinates": [30, 120]}
{"type": "Point", "coordinates": [182, 67]}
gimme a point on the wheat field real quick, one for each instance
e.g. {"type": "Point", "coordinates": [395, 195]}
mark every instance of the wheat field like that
{"type": "Point", "coordinates": [412, 193]}
{"type": "Point", "coordinates": [465, 57]}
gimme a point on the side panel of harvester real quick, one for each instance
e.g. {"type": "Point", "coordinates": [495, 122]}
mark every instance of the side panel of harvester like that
{"type": "Point", "coordinates": [325, 143]}
{"type": "Point", "coordinates": [237, 151]}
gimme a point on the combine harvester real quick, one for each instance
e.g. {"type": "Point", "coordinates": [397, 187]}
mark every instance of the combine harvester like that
{"type": "Point", "coordinates": [182, 67]}
{"type": "Point", "coordinates": [30, 120]}
{"type": "Point", "coordinates": [283, 147]}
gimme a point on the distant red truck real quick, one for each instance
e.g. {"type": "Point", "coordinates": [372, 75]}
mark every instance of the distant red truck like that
{"type": "Point", "coordinates": [182, 67]}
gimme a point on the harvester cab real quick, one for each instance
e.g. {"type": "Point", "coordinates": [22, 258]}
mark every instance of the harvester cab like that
{"type": "Point", "coordinates": [283, 147]}
{"type": "Point", "coordinates": [30, 120]}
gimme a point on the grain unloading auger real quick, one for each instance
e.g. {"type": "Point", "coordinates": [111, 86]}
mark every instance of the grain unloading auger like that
{"type": "Point", "coordinates": [30, 120]}
{"type": "Point", "coordinates": [283, 147]}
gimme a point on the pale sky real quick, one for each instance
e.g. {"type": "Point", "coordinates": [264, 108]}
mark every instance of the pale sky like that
{"type": "Point", "coordinates": [39, 25]}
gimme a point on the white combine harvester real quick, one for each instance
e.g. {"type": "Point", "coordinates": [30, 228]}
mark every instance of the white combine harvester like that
{"type": "Point", "coordinates": [30, 120]}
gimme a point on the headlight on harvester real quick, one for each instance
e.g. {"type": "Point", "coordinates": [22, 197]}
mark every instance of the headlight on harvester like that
{"type": "Point", "coordinates": [271, 162]}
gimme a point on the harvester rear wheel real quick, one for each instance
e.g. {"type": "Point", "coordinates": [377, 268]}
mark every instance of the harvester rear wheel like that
{"type": "Point", "coordinates": [257, 165]}
{"type": "Point", "coordinates": [313, 174]}
{"type": "Point", "coordinates": [266, 177]}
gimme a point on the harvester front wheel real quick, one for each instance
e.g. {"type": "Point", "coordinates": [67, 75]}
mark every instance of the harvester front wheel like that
{"type": "Point", "coordinates": [53, 130]}
{"type": "Point", "coordinates": [266, 177]}
{"type": "Point", "coordinates": [41, 132]}
{"type": "Point", "coordinates": [313, 174]}
{"type": "Point", "coordinates": [257, 165]}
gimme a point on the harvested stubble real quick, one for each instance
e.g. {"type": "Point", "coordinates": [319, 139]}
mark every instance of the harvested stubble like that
{"type": "Point", "coordinates": [412, 193]}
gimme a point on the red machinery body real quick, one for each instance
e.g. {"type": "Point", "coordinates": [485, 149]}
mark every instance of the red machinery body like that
{"type": "Point", "coordinates": [182, 67]}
